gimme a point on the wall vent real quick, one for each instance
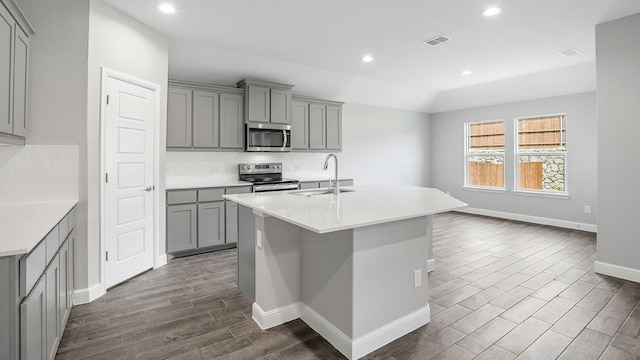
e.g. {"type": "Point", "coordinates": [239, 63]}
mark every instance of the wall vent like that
{"type": "Point", "coordinates": [436, 40]}
{"type": "Point", "coordinates": [570, 52]}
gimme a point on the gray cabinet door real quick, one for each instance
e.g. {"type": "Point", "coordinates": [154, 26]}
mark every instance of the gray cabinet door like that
{"type": "Point", "coordinates": [206, 123]}
{"type": "Point", "coordinates": [299, 125]}
{"type": "Point", "coordinates": [317, 127]}
{"type": "Point", "coordinates": [231, 214]}
{"type": "Point", "coordinates": [179, 118]}
{"type": "Point", "coordinates": [63, 302]}
{"type": "Point", "coordinates": [181, 227]}
{"type": "Point", "coordinates": [52, 295]}
{"type": "Point", "coordinates": [211, 224]}
{"type": "Point", "coordinates": [20, 70]}
{"type": "Point", "coordinates": [6, 80]}
{"type": "Point", "coordinates": [280, 106]}
{"type": "Point", "coordinates": [231, 121]}
{"type": "Point", "coordinates": [71, 284]}
{"type": "Point", "coordinates": [33, 323]}
{"type": "Point", "coordinates": [334, 127]}
{"type": "Point", "coordinates": [258, 103]}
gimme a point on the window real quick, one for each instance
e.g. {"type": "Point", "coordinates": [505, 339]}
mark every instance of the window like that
{"type": "Point", "coordinates": [542, 153]}
{"type": "Point", "coordinates": [485, 154]}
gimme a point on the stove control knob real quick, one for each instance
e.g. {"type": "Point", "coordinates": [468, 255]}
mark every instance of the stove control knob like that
{"type": "Point", "coordinates": [246, 167]}
{"type": "Point", "coordinates": [276, 167]}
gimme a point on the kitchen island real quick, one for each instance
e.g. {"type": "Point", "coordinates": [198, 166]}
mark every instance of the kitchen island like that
{"type": "Point", "coordinates": [352, 266]}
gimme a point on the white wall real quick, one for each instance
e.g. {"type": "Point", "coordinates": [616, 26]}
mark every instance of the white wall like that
{"type": "Point", "coordinates": [617, 59]}
{"type": "Point", "coordinates": [380, 145]}
{"type": "Point", "coordinates": [119, 43]}
{"type": "Point", "coordinates": [447, 164]}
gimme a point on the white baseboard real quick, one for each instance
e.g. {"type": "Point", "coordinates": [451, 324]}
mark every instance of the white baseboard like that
{"type": "Point", "coordinates": [618, 271]}
{"type": "Point", "coordinates": [328, 331]}
{"type": "Point", "coordinates": [431, 265]}
{"type": "Point", "coordinates": [390, 332]}
{"type": "Point", "coordinates": [352, 349]}
{"type": "Point", "coordinates": [160, 261]}
{"type": "Point", "coordinates": [271, 318]}
{"type": "Point", "coordinates": [85, 296]}
{"type": "Point", "coordinates": [532, 219]}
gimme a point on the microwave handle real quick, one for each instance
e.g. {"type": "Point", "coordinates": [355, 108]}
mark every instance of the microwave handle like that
{"type": "Point", "coordinates": [284, 132]}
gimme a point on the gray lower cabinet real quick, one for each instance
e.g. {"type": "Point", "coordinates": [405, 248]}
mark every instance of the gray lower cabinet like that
{"type": "Point", "coordinates": [316, 125]}
{"type": "Point", "coordinates": [33, 314]}
{"type": "Point", "coordinates": [201, 219]}
{"type": "Point", "coordinates": [33, 323]}
{"type": "Point", "coordinates": [323, 184]}
{"type": "Point", "coordinates": [52, 296]}
{"type": "Point", "coordinates": [211, 224]}
{"type": "Point", "coordinates": [204, 117]}
{"type": "Point", "coordinates": [181, 228]}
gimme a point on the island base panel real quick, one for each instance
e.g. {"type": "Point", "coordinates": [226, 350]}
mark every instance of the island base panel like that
{"type": "Point", "coordinates": [355, 287]}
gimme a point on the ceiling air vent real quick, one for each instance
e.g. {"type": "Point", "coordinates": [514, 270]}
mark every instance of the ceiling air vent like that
{"type": "Point", "coordinates": [436, 40]}
{"type": "Point", "coordinates": [570, 52]}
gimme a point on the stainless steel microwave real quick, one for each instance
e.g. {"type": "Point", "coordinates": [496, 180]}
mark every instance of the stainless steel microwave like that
{"type": "Point", "coordinates": [268, 137]}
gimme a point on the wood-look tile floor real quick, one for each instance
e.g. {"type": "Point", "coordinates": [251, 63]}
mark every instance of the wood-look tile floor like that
{"type": "Point", "coordinates": [501, 290]}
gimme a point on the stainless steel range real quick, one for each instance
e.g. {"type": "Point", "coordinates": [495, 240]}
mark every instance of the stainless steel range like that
{"type": "Point", "coordinates": [266, 177]}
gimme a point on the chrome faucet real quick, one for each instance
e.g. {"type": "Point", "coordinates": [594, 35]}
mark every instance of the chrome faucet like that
{"type": "Point", "coordinates": [336, 184]}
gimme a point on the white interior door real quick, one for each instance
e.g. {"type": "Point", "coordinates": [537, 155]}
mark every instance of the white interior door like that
{"type": "Point", "coordinates": [129, 173]}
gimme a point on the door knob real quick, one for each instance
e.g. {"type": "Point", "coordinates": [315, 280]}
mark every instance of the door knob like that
{"type": "Point", "coordinates": [150, 188]}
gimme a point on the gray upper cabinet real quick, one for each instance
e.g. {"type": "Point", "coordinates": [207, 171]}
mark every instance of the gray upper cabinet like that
{"type": "Point", "coordinates": [334, 127]}
{"type": "Point", "coordinates": [231, 120]}
{"type": "Point", "coordinates": [299, 125]}
{"type": "Point", "coordinates": [179, 121]}
{"type": "Point", "coordinates": [206, 122]}
{"type": "Point", "coordinates": [267, 102]}
{"type": "Point", "coordinates": [204, 117]}
{"type": "Point", "coordinates": [316, 124]}
{"type": "Point", "coordinates": [259, 104]}
{"type": "Point", "coordinates": [281, 106]}
{"type": "Point", "coordinates": [317, 127]}
{"type": "Point", "coordinates": [14, 67]}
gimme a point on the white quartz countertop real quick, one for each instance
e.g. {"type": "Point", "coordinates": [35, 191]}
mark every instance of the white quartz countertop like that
{"type": "Point", "coordinates": [23, 226]}
{"type": "Point", "coordinates": [195, 182]}
{"type": "Point", "coordinates": [367, 205]}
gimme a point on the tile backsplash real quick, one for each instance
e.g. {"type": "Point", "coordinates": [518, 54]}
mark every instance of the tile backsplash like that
{"type": "Point", "coordinates": [223, 166]}
{"type": "Point", "coordinates": [38, 173]}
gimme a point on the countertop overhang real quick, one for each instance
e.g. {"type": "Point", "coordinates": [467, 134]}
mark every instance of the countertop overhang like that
{"type": "Point", "coordinates": [367, 205]}
{"type": "Point", "coordinates": [23, 226]}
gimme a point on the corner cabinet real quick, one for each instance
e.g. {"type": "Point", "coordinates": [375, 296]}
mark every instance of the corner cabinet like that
{"type": "Point", "coordinates": [36, 295]}
{"type": "Point", "coordinates": [204, 117]}
{"type": "Point", "coordinates": [316, 125]}
{"type": "Point", "coordinates": [14, 68]}
{"type": "Point", "coordinates": [200, 220]}
{"type": "Point", "coordinates": [267, 102]}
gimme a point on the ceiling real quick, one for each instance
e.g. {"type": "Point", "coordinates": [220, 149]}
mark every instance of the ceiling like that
{"type": "Point", "coordinates": [318, 45]}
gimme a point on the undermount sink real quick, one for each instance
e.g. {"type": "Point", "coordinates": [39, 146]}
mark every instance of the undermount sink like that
{"type": "Point", "coordinates": [316, 192]}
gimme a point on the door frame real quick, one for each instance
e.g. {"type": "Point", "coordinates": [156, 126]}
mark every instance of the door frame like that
{"type": "Point", "coordinates": [107, 73]}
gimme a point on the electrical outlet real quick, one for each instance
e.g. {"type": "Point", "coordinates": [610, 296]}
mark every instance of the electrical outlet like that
{"type": "Point", "coordinates": [587, 209]}
{"type": "Point", "coordinates": [417, 278]}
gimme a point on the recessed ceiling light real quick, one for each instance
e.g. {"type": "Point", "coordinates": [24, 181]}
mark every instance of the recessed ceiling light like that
{"type": "Point", "coordinates": [367, 58]}
{"type": "Point", "coordinates": [167, 8]}
{"type": "Point", "coordinates": [466, 72]}
{"type": "Point", "coordinates": [492, 11]}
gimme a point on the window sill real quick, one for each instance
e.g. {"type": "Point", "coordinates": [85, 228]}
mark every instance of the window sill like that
{"type": "Point", "coordinates": [550, 195]}
{"type": "Point", "coordinates": [485, 189]}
